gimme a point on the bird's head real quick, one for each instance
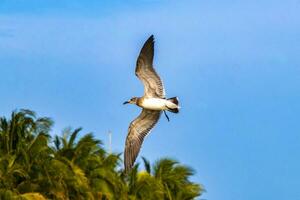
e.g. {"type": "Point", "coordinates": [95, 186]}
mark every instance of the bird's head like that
{"type": "Point", "coordinates": [133, 100]}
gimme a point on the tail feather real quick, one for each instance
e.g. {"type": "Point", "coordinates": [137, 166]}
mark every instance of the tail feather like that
{"type": "Point", "coordinates": [173, 110]}
{"type": "Point", "coordinates": [176, 102]}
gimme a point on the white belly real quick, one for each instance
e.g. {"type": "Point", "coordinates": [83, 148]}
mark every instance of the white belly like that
{"type": "Point", "coordinates": [157, 104]}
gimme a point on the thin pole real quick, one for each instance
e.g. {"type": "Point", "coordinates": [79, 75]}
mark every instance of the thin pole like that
{"type": "Point", "coordinates": [109, 141]}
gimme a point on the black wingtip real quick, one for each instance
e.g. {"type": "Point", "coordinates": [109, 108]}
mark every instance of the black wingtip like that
{"type": "Point", "coordinates": [147, 51]}
{"type": "Point", "coordinates": [150, 39]}
{"type": "Point", "coordinates": [148, 45]}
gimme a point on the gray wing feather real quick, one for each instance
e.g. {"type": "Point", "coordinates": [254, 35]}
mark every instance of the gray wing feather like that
{"type": "Point", "coordinates": [137, 131]}
{"type": "Point", "coordinates": [146, 73]}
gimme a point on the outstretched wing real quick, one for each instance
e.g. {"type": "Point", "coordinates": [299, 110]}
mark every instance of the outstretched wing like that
{"type": "Point", "coordinates": [137, 131]}
{"type": "Point", "coordinates": [144, 70]}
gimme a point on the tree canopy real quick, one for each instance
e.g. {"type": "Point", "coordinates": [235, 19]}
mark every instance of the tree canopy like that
{"type": "Point", "coordinates": [37, 165]}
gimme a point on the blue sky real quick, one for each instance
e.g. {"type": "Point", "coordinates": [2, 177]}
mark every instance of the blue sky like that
{"type": "Point", "coordinates": [235, 66]}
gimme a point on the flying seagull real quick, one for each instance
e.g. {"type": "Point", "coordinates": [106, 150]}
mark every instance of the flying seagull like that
{"type": "Point", "coordinates": [153, 103]}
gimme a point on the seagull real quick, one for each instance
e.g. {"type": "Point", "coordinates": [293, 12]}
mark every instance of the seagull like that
{"type": "Point", "coordinates": [153, 103]}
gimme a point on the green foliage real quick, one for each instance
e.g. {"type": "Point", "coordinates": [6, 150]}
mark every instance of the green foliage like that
{"type": "Point", "coordinates": [35, 166]}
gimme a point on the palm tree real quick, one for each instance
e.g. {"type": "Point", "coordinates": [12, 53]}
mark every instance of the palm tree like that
{"type": "Point", "coordinates": [174, 178]}
{"type": "Point", "coordinates": [142, 185]}
{"type": "Point", "coordinates": [23, 139]}
{"type": "Point", "coordinates": [21, 129]}
{"type": "Point", "coordinates": [165, 180]}
{"type": "Point", "coordinates": [90, 164]}
{"type": "Point", "coordinates": [35, 166]}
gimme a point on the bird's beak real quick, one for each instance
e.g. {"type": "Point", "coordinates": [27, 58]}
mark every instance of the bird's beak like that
{"type": "Point", "coordinates": [126, 102]}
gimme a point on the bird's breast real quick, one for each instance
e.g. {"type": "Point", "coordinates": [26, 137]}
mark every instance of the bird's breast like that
{"type": "Point", "coordinates": [154, 103]}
